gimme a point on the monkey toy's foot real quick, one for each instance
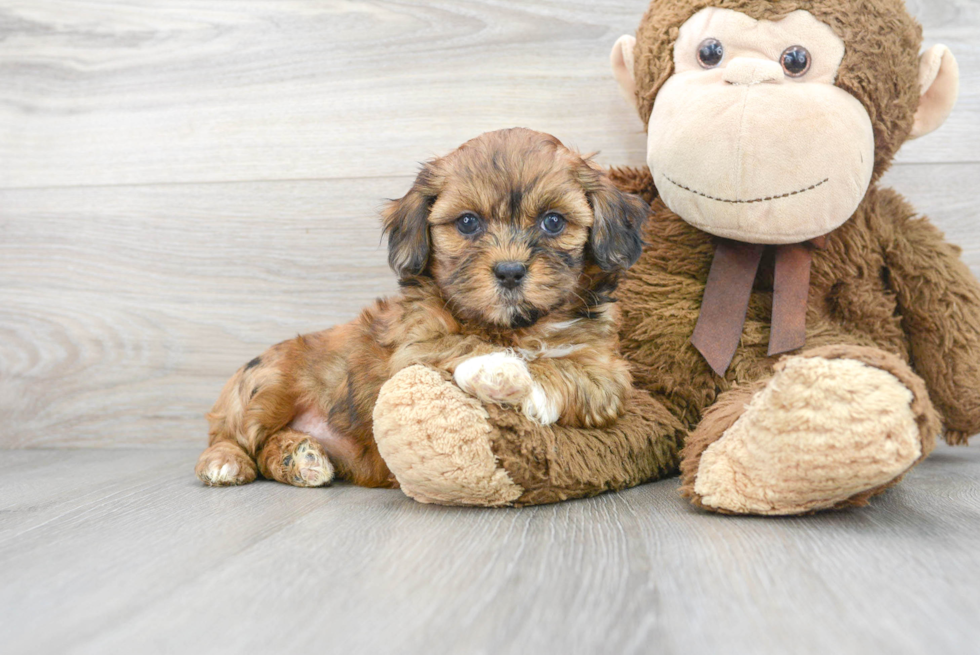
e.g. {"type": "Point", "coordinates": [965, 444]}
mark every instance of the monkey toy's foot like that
{"type": "Point", "coordinates": [830, 429]}
{"type": "Point", "coordinates": [436, 439]}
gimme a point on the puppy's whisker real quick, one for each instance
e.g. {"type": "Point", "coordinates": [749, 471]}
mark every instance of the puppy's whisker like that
{"type": "Point", "coordinates": [462, 269]}
{"type": "Point", "coordinates": [580, 298]}
{"type": "Point", "coordinates": [445, 305]}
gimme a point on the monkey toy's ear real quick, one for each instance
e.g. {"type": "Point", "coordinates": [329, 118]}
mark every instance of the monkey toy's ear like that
{"type": "Point", "coordinates": [939, 85]}
{"type": "Point", "coordinates": [616, 240]}
{"type": "Point", "coordinates": [405, 223]}
{"type": "Point", "coordinates": [621, 59]}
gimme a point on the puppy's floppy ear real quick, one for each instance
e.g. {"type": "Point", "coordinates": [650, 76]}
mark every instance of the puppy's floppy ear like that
{"type": "Point", "coordinates": [405, 223]}
{"type": "Point", "coordinates": [617, 232]}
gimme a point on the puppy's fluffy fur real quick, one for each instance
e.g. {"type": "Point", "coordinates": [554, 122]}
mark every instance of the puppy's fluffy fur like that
{"type": "Point", "coordinates": [507, 250]}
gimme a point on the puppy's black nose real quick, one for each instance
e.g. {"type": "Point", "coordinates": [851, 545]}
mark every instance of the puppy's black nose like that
{"type": "Point", "coordinates": [510, 275]}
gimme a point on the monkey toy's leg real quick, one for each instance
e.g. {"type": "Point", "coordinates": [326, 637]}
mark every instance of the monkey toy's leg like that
{"type": "Point", "coordinates": [444, 446]}
{"type": "Point", "coordinates": [248, 426]}
{"type": "Point", "coordinates": [831, 428]}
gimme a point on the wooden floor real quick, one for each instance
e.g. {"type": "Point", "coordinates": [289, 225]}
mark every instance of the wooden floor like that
{"type": "Point", "coordinates": [123, 551]}
{"type": "Point", "coordinates": [184, 182]}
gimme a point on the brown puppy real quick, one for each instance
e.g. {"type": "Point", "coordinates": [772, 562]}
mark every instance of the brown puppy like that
{"type": "Point", "coordinates": [507, 250]}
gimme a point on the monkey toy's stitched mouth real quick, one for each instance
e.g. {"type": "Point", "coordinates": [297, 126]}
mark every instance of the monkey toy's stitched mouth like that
{"type": "Point", "coordinates": [746, 202]}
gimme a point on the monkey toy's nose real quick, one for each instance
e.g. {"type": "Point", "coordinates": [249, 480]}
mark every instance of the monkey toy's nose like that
{"type": "Point", "coordinates": [750, 70]}
{"type": "Point", "coordinates": [510, 275]}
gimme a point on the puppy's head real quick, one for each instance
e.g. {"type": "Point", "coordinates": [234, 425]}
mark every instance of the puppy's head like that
{"type": "Point", "coordinates": [513, 226]}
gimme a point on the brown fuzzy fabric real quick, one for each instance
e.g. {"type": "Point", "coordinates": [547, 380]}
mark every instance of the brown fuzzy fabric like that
{"type": "Point", "coordinates": [880, 66]}
{"type": "Point", "coordinates": [940, 301]}
{"type": "Point", "coordinates": [555, 463]}
{"type": "Point", "coordinates": [886, 279]}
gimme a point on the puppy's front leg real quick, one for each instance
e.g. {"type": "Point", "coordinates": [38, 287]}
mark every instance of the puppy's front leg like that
{"type": "Point", "coordinates": [587, 392]}
{"type": "Point", "coordinates": [578, 392]}
{"type": "Point", "coordinates": [498, 377]}
{"type": "Point", "coordinates": [478, 368]}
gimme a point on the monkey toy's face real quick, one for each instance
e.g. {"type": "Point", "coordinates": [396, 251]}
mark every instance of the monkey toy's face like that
{"type": "Point", "coordinates": [751, 136]}
{"type": "Point", "coordinates": [750, 139]}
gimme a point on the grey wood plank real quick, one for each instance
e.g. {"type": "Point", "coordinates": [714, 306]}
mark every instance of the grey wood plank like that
{"type": "Point", "coordinates": [95, 92]}
{"type": "Point", "coordinates": [124, 309]}
{"type": "Point", "coordinates": [45, 488]}
{"type": "Point", "coordinates": [176, 567]}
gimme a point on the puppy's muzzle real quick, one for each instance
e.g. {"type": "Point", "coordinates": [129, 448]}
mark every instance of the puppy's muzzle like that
{"type": "Point", "coordinates": [510, 275]}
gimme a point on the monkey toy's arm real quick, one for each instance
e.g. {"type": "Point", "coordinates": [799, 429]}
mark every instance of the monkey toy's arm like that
{"type": "Point", "coordinates": [939, 299]}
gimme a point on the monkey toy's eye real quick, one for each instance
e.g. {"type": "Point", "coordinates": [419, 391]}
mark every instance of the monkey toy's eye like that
{"type": "Point", "coordinates": [553, 223]}
{"type": "Point", "coordinates": [710, 53]}
{"type": "Point", "coordinates": [796, 61]}
{"type": "Point", "coordinates": [468, 224]}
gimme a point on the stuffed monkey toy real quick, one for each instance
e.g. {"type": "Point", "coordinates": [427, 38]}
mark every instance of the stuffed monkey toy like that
{"type": "Point", "coordinates": [799, 337]}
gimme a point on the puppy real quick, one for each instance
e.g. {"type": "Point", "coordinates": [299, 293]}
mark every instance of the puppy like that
{"type": "Point", "coordinates": [507, 251]}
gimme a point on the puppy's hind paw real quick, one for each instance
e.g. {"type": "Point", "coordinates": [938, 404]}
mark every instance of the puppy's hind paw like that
{"type": "Point", "coordinates": [498, 378]}
{"type": "Point", "coordinates": [308, 465]}
{"type": "Point", "coordinates": [292, 457]}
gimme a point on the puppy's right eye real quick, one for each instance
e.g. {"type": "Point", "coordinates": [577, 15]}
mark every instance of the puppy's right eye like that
{"type": "Point", "coordinates": [468, 224]}
{"type": "Point", "coordinates": [553, 223]}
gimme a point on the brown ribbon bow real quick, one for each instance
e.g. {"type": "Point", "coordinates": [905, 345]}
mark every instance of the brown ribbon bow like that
{"type": "Point", "coordinates": [726, 299]}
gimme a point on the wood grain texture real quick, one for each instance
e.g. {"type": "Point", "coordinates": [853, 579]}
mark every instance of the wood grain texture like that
{"type": "Point", "coordinates": [184, 183]}
{"type": "Point", "coordinates": [124, 309]}
{"type": "Point", "coordinates": [110, 92]}
{"type": "Point", "coordinates": [124, 551]}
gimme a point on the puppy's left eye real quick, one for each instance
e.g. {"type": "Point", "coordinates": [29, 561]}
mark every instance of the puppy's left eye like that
{"type": "Point", "coordinates": [553, 223]}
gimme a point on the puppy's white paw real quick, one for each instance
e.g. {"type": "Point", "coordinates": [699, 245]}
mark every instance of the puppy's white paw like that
{"type": "Point", "coordinates": [223, 465]}
{"type": "Point", "coordinates": [226, 473]}
{"type": "Point", "coordinates": [539, 407]}
{"type": "Point", "coordinates": [497, 377]}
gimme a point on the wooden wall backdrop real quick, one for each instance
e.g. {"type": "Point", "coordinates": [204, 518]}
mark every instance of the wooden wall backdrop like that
{"type": "Point", "coordinates": [183, 182]}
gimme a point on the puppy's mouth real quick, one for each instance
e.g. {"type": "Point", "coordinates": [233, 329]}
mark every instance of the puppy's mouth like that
{"type": "Point", "coordinates": [511, 297]}
{"type": "Point", "coordinates": [524, 317]}
{"type": "Point", "coordinates": [518, 312]}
